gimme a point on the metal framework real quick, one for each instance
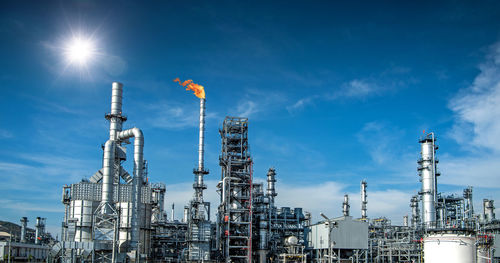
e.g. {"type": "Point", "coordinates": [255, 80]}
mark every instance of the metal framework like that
{"type": "Point", "coordinates": [235, 210]}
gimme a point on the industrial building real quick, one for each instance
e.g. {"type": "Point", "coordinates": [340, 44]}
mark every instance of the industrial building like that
{"type": "Point", "coordinates": [117, 216]}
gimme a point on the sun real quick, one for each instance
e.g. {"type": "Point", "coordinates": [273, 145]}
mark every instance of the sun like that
{"type": "Point", "coordinates": [79, 50]}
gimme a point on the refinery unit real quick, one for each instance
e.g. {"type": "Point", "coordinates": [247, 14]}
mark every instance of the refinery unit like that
{"type": "Point", "coordinates": [117, 216]}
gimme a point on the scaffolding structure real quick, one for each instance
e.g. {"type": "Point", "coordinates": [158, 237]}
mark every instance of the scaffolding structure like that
{"type": "Point", "coordinates": [235, 210]}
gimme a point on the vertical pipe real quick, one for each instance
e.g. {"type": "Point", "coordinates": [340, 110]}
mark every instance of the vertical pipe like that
{"type": "Point", "coordinates": [201, 144]}
{"type": "Point", "coordinates": [405, 221]}
{"type": "Point", "coordinates": [115, 117]}
{"type": "Point", "coordinates": [363, 199]}
{"type": "Point", "coordinates": [137, 180]}
{"type": "Point", "coordinates": [107, 177]}
{"type": "Point", "coordinates": [185, 215]}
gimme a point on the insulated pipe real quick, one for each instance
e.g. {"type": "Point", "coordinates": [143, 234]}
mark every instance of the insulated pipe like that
{"type": "Point", "coordinates": [137, 181]}
{"type": "Point", "coordinates": [107, 177]}
{"type": "Point", "coordinates": [363, 199]}
{"type": "Point", "coordinates": [115, 117]}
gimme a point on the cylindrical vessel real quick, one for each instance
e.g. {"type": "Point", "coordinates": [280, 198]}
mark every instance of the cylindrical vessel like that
{"type": "Point", "coordinates": [439, 248]}
{"type": "Point", "coordinates": [186, 214]}
{"type": "Point", "coordinates": [405, 221]}
{"type": "Point", "coordinates": [428, 178]}
{"type": "Point", "coordinates": [363, 199]}
{"type": "Point", "coordinates": [345, 205]}
{"type": "Point", "coordinates": [24, 222]}
{"type": "Point", "coordinates": [488, 210]}
{"type": "Point", "coordinates": [483, 254]}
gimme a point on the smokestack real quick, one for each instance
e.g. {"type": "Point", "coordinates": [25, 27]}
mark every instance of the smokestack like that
{"type": "Point", "coordinates": [201, 144]}
{"type": "Point", "coordinates": [115, 117]}
{"type": "Point", "coordinates": [345, 205]}
{"type": "Point", "coordinates": [24, 222]}
{"type": "Point", "coordinates": [363, 199]}
{"type": "Point", "coordinates": [172, 213]}
{"type": "Point", "coordinates": [427, 171]}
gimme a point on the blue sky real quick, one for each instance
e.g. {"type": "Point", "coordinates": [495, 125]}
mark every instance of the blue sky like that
{"type": "Point", "coordinates": [335, 93]}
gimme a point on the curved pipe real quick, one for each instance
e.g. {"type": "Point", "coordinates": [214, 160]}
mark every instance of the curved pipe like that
{"type": "Point", "coordinates": [137, 181]}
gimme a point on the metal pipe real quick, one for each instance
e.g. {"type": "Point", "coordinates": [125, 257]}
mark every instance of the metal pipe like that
{"type": "Point", "coordinates": [24, 222]}
{"type": "Point", "coordinates": [363, 199]}
{"type": "Point", "coordinates": [137, 181]}
{"type": "Point", "coordinates": [345, 205]}
{"type": "Point", "coordinates": [108, 169]}
{"type": "Point", "coordinates": [201, 144]}
{"type": "Point", "coordinates": [115, 117]}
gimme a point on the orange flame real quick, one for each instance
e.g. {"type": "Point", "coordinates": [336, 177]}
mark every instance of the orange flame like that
{"type": "Point", "coordinates": [198, 90]}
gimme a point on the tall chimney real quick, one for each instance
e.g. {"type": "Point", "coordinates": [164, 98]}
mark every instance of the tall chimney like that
{"type": "Point", "coordinates": [172, 218]}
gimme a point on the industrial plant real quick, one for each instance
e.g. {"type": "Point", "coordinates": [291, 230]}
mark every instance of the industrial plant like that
{"type": "Point", "coordinates": [120, 216]}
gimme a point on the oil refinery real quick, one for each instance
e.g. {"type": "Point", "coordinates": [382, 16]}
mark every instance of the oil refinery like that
{"type": "Point", "coordinates": [117, 216]}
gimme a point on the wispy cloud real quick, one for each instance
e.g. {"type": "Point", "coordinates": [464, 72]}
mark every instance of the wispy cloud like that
{"type": "Point", "coordinates": [477, 108]}
{"type": "Point", "coordinates": [175, 116]}
{"type": "Point", "coordinates": [5, 134]}
{"type": "Point", "coordinates": [357, 89]}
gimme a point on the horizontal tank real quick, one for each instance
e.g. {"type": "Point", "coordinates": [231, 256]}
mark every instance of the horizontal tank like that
{"type": "Point", "coordinates": [439, 248]}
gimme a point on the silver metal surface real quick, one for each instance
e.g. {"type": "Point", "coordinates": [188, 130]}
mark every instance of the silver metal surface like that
{"type": "Point", "coordinates": [201, 143]}
{"type": "Point", "coordinates": [137, 180]}
{"type": "Point", "coordinates": [363, 199]}
{"type": "Point", "coordinates": [24, 222]}
{"type": "Point", "coordinates": [427, 170]}
{"type": "Point", "coordinates": [345, 205]}
{"type": "Point", "coordinates": [488, 210]}
{"type": "Point", "coordinates": [115, 117]}
{"type": "Point", "coordinates": [108, 165]}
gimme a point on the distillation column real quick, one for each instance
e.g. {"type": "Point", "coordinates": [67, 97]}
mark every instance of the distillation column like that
{"type": "Point", "coordinates": [363, 200]}
{"type": "Point", "coordinates": [415, 212]}
{"type": "Point", "coordinates": [345, 205]}
{"type": "Point", "coordinates": [427, 171]}
{"type": "Point", "coordinates": [235, 210]}
{"type": "Point", "coordinates": [24, 223]}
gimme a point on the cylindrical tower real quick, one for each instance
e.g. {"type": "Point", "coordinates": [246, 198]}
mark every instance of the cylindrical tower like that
{"type": "Point", "coordinates": [405, 221]}
{"type": "Point", "coordinates": [345, 205]}
{"type": "Point", "coordinates": [271, 190]}
{"type": "Point", "coordinates": [24, 223]}
{"type": "Point", "coordinates": [427, 172]}
{"type": "Point", "coordinates": [488, 210]}
{"type": "Point", "coordinates": [363, 199]}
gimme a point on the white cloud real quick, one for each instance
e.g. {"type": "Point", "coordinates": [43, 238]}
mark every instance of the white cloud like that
{"type": "Point", "coordinates": [358, 88]}
{"type": "Point", "coordinates": [477, 108]}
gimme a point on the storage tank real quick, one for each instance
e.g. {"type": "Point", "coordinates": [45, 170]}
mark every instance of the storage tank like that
{"type": "Point", "coordinates": [457, 248]}
{"type": "Point", "coordinates": [483, 254]}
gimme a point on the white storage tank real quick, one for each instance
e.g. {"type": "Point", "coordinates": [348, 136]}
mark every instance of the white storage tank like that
{"type": "Point", "coordinates": [457, 248]}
